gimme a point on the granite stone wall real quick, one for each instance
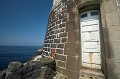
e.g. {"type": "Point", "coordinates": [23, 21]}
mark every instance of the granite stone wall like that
{"type": "Point", "coordinates": [62, 40]}
{"type": "Point", "coordinates": [56, 34]}
{"type": "Point", "coordinates": [110, 17]}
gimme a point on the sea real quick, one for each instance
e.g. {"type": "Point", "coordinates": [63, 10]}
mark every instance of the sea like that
{"type": "Point", "coordinates": [16, 53]}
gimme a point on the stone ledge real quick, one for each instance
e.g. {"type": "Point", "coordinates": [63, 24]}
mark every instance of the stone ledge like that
{"type": "Point", "coordinates": [92, 72]}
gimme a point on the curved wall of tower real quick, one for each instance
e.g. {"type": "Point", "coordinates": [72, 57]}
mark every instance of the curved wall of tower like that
{"type": "Point", "coordinates": [63, 38]}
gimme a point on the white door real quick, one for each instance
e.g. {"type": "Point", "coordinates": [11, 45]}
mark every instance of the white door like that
{"type": "Point", "coordinates": [90, 39]}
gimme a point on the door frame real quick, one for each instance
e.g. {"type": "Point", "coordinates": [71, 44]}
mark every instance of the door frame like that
{"type": "Point", "coordinates": [89, 16]}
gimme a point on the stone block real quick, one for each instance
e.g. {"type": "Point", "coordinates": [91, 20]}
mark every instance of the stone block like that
{"type": "Point", "coordinates": [60, 46]}
{"type": "Point", "coordinates": [64, 40]}
{"type": "Point", "coordinates": [61, 16]}
{"type": "Point", "coordinates": [70, 7]}
{"type": "Point", "coordinates": [63, 34]}
{"type": "Point", "coordinates": [117, 64]}
{"type": "Point", "coordinates": [110, 6]}
{"type": "Point", "coordinates": [61, 64]}
{"type": "Point", "coordinates": [70, 26]}
{"type": "Point", "coordinates": [103, 21]}
{"type": "Point", "coordinates": [77, 2]}
{"type": "Point", "coordinates": [62, 25]}
{"type": "Point", "coordinates": [61, 70]}
{"type": "Point", "coordinates": [56, 40]}
{"type": "Point", "coordinates": [77, 49]}
{"type": "Point", "coordinates": [53, 50]}
{"type": "Point", "coordinates": [49, 37]}
{"type": "Point", "coordinates": [72, 63]}
{"type": "Point", "coordinates": [111, 19]}
{"type": "Point", "coordinates": [48, 49]}
{"type": "Point", "coordinates": [45, 45]}
{"type": "Point", "coordinates": [59, 51]}
{"type": "Point", "coordinates": [105, 34]}
{"type": "Point", "coordinates": [114, 33]}
{"type": "Point", "coordinates": [58, 22]}
{"type": "Point", "coordinates": [57, 31]}
{"type": "Point", "coordinates": [90, 77]}
{"type": "Point", "coordinates": [64, 20]}
{"type": "Point", "coordinates": [77, 35]}
{"type": "Point", "coordinates": [62, 30]}
{"type": "Point", "coordinates": [53, 36]}
{"type": "Point", "coordinates": [59, 76]}
{"type": "Point", "coordinates": [110, 67]}
{"type": "Point", "coordinates": [48, 45]}
{"type": "Point", "coordinates": [53, 24]}
{"type": "Point", "coordinates": [115, 50]}
{"type": "Point", "coordinates": [51, 41]}
{"type": "Point", "coordinates": [69, 1]}
{"type": "Point", "coordinates": [52, 32]}
{"type": "Point", "coordinates": [61, 57]}
{"type": "Point", "coordinates": [53, 45]}
{"type": "Point", "coordinates": [45, 49]}
{"type": "Point", "coordinates": [71, 74]}
{"type": "Point", "coordinates": [72, 15]}
{"type": "Point", "coordinates": [69, 49]}
{"type": "Point", "coordinates": [107, 49]}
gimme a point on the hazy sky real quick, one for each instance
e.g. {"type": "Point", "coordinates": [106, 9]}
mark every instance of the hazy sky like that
{"type": "Point", "coordinates": [23, 22]}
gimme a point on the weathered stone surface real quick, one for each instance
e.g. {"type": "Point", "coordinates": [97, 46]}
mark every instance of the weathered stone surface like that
{"type": "Point", "coordinates": [14, 66]}
{"type": "Point", "coordinates": [60, 46]}
{"type": "Point", "coordinates": [64, 40]}
{"type": "Point", "coordinates": [61, 57]}
{"type": "Point", "coordinates": [26, 69]}
{"type": "Point", "coordinates": [36, 73]}
{"type": "Point", "coordinates": [63, 34]}
{"type": "Point", "coordinates": [10, 75]}
{"type": "Point", "coordinates": [29, 74]}
{"type": "Point", "coordinates": [59, 51]}
{"type": "Point", "coordinates": [2, 74]}
{"type": "Point", "coordinates": [59, 76]}
{"type": "Point", "coordinates": [61, 64]}
{"type": "Point", "coordinates": [56, 40]}
{"type": "Point", "coordinates": [53, 45]}
{"type": "Point", "coordinates": [72, 66]}
{"type": "Point", "coordinates": [43, 69]}
{"type": "Point", "coordinates": [62, 25]}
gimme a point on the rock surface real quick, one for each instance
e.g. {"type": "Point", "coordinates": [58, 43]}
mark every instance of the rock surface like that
{"type": "Point", "coordinates": [42, 69]}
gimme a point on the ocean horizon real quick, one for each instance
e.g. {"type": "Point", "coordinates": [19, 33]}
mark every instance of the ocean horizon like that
{"type": "Point", "coordinates": [16, 53]}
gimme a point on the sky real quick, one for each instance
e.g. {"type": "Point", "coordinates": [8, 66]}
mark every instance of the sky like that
{"type": "Point", "coordinates": [23, 22]}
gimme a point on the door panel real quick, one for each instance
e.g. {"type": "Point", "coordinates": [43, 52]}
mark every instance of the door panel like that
{"type": "Point", "coordinates": [90, 36]}
{"type": "Point", "coordinates": [90, 40]}
{"type": "Point", "coordinates": [91, 47]}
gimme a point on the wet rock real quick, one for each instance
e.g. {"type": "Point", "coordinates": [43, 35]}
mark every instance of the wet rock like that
{"type": "Point", "coordinates": [42, 69]}
{"type": "Point", "coordinates": [14, 66]}
{"type": "Point", "coordinates": [49, 62]}
{"type": "Point", "coordinates": [36, 73]}
{"type": "Point", "coordinates": [35, 64]}
{"type": "Point", "coordinates": [2, 74]}
{"type": "Point", "coordinates": [26, 68]}
{"type": "Point", "coordinates": [29, 74]}
{"type": "Point", "coordinates": [10, 75]}
{"type": "Point", "coordinates": [49, 74]}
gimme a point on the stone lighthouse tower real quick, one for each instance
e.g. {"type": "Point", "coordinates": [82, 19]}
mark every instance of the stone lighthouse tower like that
{"type": "Point", "coordinates": [83, 36]}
